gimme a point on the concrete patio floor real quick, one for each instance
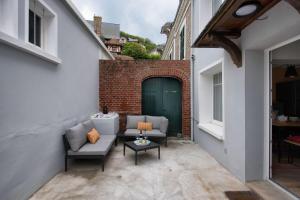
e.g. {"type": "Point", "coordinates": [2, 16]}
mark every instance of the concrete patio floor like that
{"type": "Point", "coordinates": [185, 171]}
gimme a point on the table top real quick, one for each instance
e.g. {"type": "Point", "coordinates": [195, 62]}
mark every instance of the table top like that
{"type": "Point", "coordinates": [292, 142]}
{"type": "Point", "coordinates": [133, 146]}
{"type": "Point", "coordinates": [286, 123]}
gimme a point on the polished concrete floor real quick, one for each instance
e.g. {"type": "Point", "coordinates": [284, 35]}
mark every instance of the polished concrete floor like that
{"type": "Point", "coordinates": [184, 171]}
{"type": "Point", "coordinates": [287, 174]}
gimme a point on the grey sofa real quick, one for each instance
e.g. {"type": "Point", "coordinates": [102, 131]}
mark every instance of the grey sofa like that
{"type": "Point", "coordinates": [159, 126]}
{"type": "Point", "coordinates": [77, 146]}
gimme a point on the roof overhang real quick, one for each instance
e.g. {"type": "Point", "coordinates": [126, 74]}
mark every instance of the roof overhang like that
{"type": "Point", "coordinates": [224, 26]}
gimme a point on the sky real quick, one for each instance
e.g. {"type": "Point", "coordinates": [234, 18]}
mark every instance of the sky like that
{"type": "Point", "coordinates": [138, 17]}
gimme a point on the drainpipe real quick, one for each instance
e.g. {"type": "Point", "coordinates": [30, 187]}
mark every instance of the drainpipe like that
{"type": "Point", "coordinates": [192, 96]}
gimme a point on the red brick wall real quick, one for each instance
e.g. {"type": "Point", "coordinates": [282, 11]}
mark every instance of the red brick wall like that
{"type": "Point", "coordinates": [121, 85]}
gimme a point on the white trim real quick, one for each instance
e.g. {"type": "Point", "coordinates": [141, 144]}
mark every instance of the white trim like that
{"type": "Point", "coordinates": [208, 68]}
{"type": "Point", "coordinates": [87, 27]}
{"type": "Point", "coordinates": [267, 119]}
{"type": "Point", "coordinates": [28, 48]}
{"type": "Point", "coordinates": [182, 26]}
{"type": "Point", "coordinates": [210, 126]}
{"type": "Point", "coordinates": [174, 49]}
{"type": "Point", "coordinates": [213, 129]}
{"type": "Point", "coordinates": [174, 30]}
{"type": "Point", "coordinates": [291, 195]}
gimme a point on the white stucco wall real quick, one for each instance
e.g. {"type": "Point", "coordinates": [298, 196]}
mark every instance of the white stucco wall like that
{"type": "Point", "coordinates": [242, 151]}
{"type": "Point", "coordinates": [40, 100]}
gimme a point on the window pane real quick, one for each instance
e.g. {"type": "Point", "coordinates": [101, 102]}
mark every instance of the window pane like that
{"type": "Point", "coordinates": [38, 31]}
{"type": "Point", "coordinates": [31, 27]}
{"type": "Point", "coordinates": [217, 98]}
{"type": "Point", "coordinates": [182, 43]}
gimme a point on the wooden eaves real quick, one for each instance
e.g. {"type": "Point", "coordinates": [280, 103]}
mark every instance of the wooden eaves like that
{"type": "Point", "coordinates": [225, 27]}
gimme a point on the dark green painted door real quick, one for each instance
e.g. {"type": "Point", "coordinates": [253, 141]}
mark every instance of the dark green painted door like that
{"type": "Point", "coordinates": [162, 97]}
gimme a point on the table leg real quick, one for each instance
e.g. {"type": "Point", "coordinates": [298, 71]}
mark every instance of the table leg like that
{"type": "Point", "coordinates": [292, 156]}
{"type": "Point", "coordinates": [136, 157]}
{"type": "Point", "coordinates": [289, 153]}
{"type": "Point", "coordinates": [159, 152]}
{"type": "Point", "coordinates": [124, 149]}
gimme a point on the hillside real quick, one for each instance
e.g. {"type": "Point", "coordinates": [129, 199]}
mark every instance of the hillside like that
{"type": "Point", "coordinates": [147, 43]}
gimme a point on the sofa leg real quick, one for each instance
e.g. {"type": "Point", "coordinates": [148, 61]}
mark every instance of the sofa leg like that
{"type": "Point", "coordinates": [66, 163]}
{"type": "Point", "coordinates": [103, 163]}
{"type": "Point", "coordinates": [166, 142]}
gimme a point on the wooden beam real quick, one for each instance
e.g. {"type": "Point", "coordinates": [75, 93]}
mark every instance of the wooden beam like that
{"type": "Point", "coordinates": [295, 4]}
{"type": "Point", "coordinates": [229, 46]}
{"type": "Point", "coordinates": [232, 34]}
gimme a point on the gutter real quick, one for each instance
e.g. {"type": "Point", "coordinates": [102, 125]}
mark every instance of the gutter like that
{"type": "Point", "coordinates": [193, 97]}
{"type": "Point", "coordinates": [76, 12]}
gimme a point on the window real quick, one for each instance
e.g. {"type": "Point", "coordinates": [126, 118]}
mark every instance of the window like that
{"type": "Point", "coordinates": [42, 26]}
{"type": "Point", "coordinates": [217, 97]}
{"type": "Point", "coordinates": [182, 43]}
{"type": "Point", "coordinates": [210, 91]}
{"type": "Point", "coordinates": [170, 56]}
{"type": "Point", "coordinates": [34, 28]}
{"type": "Point", "coordinates": [24, 22]}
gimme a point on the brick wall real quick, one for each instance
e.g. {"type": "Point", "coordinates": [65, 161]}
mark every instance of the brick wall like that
{"type": "Point", "coordinates": [121, 85]}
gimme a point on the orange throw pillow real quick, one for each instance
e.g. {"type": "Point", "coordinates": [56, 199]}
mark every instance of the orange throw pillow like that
{"type": "Point", "coordinates": [145, 126]}
{"type": "Point", "coordinates": [93, 136]}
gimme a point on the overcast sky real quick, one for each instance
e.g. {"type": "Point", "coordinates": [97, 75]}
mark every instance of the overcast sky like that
{"type": "Point", "coordinates": [139, 17]}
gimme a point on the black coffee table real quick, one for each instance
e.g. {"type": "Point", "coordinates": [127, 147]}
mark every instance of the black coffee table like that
{"type": "Point", "coordinates": [137, 148]}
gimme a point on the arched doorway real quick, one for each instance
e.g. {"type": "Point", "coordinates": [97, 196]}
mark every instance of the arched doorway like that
{"type": "Point", "coordinates": [162, 97]}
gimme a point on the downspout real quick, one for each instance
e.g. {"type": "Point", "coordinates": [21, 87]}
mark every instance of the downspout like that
{"type": "Point", "coordinates": [192, 97]}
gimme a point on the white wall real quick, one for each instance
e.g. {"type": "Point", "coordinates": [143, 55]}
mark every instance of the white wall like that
{"type": "Point", "coordinates": [39, 101]}
{"type": "Point", "coordinates": [9, 17]}
{"type": "Point", "coordinates": [242, 150]}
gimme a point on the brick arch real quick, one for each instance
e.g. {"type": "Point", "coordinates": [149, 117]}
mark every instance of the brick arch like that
{"type": "Point", "coordinates": [121, 85]}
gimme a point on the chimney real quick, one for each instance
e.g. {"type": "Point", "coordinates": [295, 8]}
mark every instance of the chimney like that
{"type": "Point", "coordinates": [97, 25]}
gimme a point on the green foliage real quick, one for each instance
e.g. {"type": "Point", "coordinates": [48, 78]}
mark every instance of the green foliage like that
{"type": "Point", "coordinates": [149, 45]}
{"type": "Point", "coordinates": [154, 57]}
{"type": "Point", "coordinates": [135, 50]}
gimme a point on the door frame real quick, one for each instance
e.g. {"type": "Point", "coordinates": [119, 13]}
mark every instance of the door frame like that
{"type": "Point", "coordinates": [181, 96]}
{"type": "Point", "coordinates": [267, 112]}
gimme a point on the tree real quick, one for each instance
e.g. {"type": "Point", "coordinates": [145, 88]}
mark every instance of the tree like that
{"type": "Point", "coordinates": [135, 50]}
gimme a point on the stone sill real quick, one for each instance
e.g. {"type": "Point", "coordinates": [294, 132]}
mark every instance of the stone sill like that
{"type": "Point", "coordinates": [28, 48]}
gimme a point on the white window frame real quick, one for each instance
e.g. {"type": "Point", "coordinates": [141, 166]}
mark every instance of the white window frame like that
{"type": "Point", "coordinates": [183, 26]}
{"type": "Point", "coordinates": [217, 122]}
{"type": "Point", "coordinates": [19, 39]}
{"type": "Point", "coordinates": [205, 88]}
{"type": "Point", "coordinates": [48, 32]}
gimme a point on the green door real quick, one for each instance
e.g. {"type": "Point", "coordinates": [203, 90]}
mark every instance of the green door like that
{"type": "Point", "coordinates": [162, 97]}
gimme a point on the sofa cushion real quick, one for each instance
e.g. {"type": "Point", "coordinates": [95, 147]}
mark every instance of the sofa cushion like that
{"type": "Point", "coordinates": [133, 120]}
{"type": "Point", "coordinates": [154, 133]}
{"type": "Point", "coordinates": [132, 132]}
{"type": "Point", "coordinates": [164, 125]}
{"type": "Point", "coordinates": [76, 136]}
{"type": "Point", "coordinates": [93, 136]}
{"type": "Point", "coordinates": [101, 147]}
{"type": "Point", "coordinates": [155, 121]}
{"type": "Point", "coordinates": [88, 125]}
{"type": "Point", "coordinates": [145, 126]}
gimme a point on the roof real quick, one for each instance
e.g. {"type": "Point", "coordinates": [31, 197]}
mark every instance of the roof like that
{"type": "Point", "coordinates": [75, 11]}
{"type": "Point", "coordinates": [113, 41]}
{"type": "Point", "coordinates": [108, 30]}
{"type": "Point", "coordinates": [225, 26]}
